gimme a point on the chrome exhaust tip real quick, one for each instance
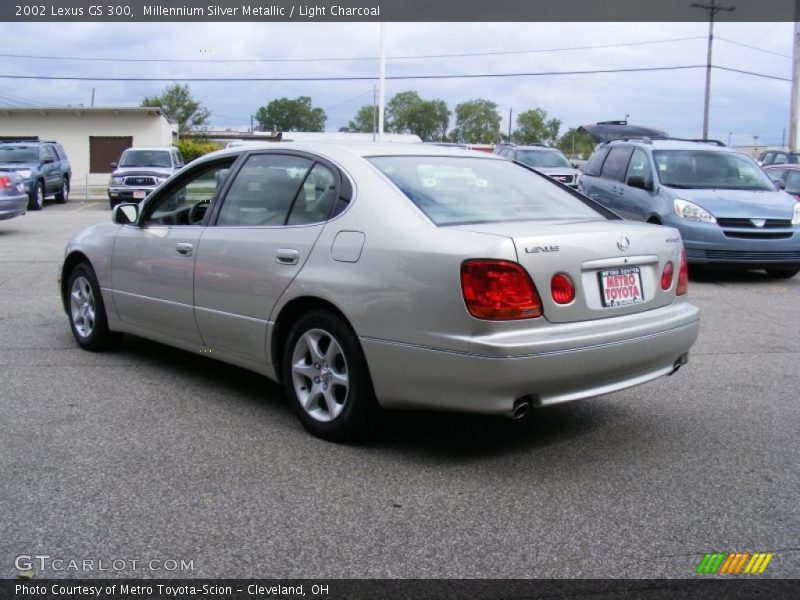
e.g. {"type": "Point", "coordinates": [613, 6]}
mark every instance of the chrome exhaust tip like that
{"type": "Point", "coordinates": [682, 360]}
{"type": "Point", "coordinates": [521, 408]}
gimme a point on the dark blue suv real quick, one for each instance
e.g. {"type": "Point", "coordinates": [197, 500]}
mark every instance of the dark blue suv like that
{"type": "Point", "coordinates": [43, 167]}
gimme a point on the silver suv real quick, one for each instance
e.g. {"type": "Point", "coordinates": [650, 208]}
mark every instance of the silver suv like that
{"type": "Point", "coordinates": [140, 171]}
{"type": "Point", "coordinates": [545, 159]}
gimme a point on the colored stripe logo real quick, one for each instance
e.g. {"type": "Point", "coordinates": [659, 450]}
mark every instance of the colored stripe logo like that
{"type": "Point", "coordinates": [734, 563]}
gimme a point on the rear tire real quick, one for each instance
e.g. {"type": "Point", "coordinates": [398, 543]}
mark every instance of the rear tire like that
{"type": "Point", "coordinates": [87, 312]}
{"type": "Point", "coordinates": [326, 378]}
{"type": "Point", "coordinates": [63, 195]}
{"type": "Point", "coordinates": [36, 199]}
{"type": "Point", "coordinates": [782, 273]}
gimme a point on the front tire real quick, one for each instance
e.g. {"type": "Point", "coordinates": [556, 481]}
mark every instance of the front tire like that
{"type": "Point", "coordinates": [782, 273]}
{"type": "Point", "coordinates": [63, 195]}
{"type": "Point", "coordinates": [36, 199]}
{"type": "Point", "coordinates": [87, 313]}
{"type": "Point", "coordinates": [326, 378]}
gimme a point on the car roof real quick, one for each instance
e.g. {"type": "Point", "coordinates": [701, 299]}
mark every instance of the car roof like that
{"type": "Point", "coordinates": [673, 145]}
{"type": "Point", "coordinates": [792, 166]}
{"type": "Point", "coordinates": [151, 148]}
{"type": "Point", "coordinates": [534, 147]}
{"type": "Point", "coordinates": [334, 150]}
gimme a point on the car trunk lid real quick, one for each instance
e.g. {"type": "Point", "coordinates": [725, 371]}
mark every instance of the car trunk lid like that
{"type": "Point", "coordinates": [615, 266]}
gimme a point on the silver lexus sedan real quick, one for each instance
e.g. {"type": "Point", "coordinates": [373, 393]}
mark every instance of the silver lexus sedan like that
{"type": "Point", "coordinates": [387, 275]}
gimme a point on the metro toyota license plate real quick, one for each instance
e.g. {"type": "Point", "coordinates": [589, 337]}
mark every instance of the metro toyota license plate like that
{"type": "Point", "coordinates": [621, 287]}
{"type": "Point", "coordinates": [139, 194]}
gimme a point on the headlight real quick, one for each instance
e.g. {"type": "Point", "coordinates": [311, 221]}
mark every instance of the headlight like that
{"type": "Point", "coordinates": [691, 212]}
{"type": "Point", "coordinates": [116, 181]}
{"type": "Point", "coordinates": [24, 173]}
{"type": "Point", "coordinates": [796, 215]}
{"type": "Point", "coordinates": [160, 180]}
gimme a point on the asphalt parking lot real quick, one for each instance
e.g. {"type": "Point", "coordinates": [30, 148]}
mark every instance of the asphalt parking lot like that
{"type": "Point", "coordinates": [153, 453]}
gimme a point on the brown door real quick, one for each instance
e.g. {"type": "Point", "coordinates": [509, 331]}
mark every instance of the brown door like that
{"type": "Point", "coordinates": [105, 150]}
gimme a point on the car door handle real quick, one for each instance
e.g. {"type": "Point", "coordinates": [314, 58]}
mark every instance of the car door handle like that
{"type": "Point", "coordinates": [184, 249]}
{"type": "Point", "coordinates": [287, 256]}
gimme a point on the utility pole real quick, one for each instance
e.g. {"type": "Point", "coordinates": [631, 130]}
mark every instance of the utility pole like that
{"type": "Point", "coordinates": [374, 112]}
{"type": "Point", "coordinates": [511, 111]}
{"type": "Point", "coordinates": [712, 9]}
{"type": "Point", "coordinates": [92, 102]}
{"type": "Point", "coordinates": [382, 85]}
{"type": "Point", "coordinates": [794, 142]}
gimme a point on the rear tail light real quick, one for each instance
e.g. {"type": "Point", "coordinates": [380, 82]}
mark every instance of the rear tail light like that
{"type": "Point", "coordinates": [5, 181]}
{"type": "Point", "coordinates": [666, 276]}
{"type": "Point", "coordinates": [683, 276]}
{"type": "Point", "coordinates": [499, 290]}
{"type": "Point", "coordinates": [562, 289]}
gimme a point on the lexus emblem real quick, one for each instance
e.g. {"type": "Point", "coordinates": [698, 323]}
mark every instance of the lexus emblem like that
{"type": "Point", "coordinates": [623, 243]}
{"type": "Point", "coordinates": [758, 222]}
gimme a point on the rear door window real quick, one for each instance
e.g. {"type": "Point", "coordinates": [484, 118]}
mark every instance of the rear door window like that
{"type": "Point", "coordinates": [793, 182]}
{"type": "Point", "coordinates": [595, 163]}
{"type": "Point", "coordinates": [617, 163]}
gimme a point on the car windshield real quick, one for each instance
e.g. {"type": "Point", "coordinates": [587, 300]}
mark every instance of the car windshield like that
{"type": "Point", "coordinates": [542, 158]}
{"type": "Point", "coordinates": [709, 169]}
{"type": "Point", "coordinates": [145, 158]}
{"type": "Point", "coordinates": [455, 190]}
{"type": "Point", "coordinates": [19, 154]}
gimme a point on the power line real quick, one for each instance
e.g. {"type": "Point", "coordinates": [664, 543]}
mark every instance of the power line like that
{"type": "Point", "coordinates": [346, 78]}
{"type": "Point", "coordinates": [753, 47]}
{"type": "Point", "coordinates": [394, 77]}
{"type": "Point", "coordinates": [343, 59]}
{"type": "Point", "coordinates": [753, 73]}
{"type": "Point", "coordinates": [350, 100]}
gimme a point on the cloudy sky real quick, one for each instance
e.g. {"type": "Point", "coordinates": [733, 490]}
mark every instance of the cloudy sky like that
{"type": "Point", "coordinates": [743, 105]}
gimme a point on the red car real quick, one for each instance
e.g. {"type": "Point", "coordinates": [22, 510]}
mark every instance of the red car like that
{"type": "Point", "coordinates": [786, 176]}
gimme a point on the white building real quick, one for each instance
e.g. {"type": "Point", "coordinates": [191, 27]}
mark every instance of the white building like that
{"type": "Point", "coordinates": [92, 137]}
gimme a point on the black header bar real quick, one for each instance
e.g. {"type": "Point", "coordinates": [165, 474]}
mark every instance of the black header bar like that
{"type": "Point", "coordinates": [266, 11]}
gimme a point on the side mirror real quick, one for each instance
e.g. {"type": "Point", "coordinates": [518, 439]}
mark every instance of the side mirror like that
{"type": "Point", "coordinates": [637, 181]}
{"type": "Point", "coordinates": [125, 214]}
{"type": "Point", "coordinates": [114, 165]}
{"type": "Point", "coordinates": [48, 160]}
{"type": "Point", "coordinates": [179, 166]}
{"type": "Point", "coordinates": [779, 184]}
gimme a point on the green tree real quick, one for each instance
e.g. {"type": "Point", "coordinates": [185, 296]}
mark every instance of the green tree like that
{"type": "Point", "coordinates": [193, 148]}
{"type": "Point", "coordinates": [284, 114]}
{"type": "Point", "coordinates": [364, 121]}
{"type": "Point", "coordinates": [429, 119]}
{"type": "Point", "coordinates": [533, 126]}
{"type": "Point", "coordinates": [575, 143]}
{"type": "Point", "coordinates": [477, 122]}
{"type": "Point", "coordinates": [179, 107]}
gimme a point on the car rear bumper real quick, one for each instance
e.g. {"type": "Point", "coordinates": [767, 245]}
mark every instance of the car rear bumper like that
{"type": "Point", "coordinates": [13, 206]}
{"type": "Point", "coordinates": [408, 376]}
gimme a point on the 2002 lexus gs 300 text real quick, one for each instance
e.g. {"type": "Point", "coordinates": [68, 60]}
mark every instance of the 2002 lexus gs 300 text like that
{"type": "Point", "coordinates": [401, 276]}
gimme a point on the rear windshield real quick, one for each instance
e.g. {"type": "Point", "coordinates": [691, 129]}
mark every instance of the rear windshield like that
{"type": "Point", "coordinates": [146, 158]}
{"type": "Point", "coordinates": [455, 190]}
{"type": "Point", "coordinates": [542, 158]}
{"type": "Point", "coordinates": [708, 169]}
{"type": "Point", "coordinates": [19, 154]}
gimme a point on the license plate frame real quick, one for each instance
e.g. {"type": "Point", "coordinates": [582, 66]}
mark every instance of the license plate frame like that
{"type": "Point", "coordinates": [625, 289]}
